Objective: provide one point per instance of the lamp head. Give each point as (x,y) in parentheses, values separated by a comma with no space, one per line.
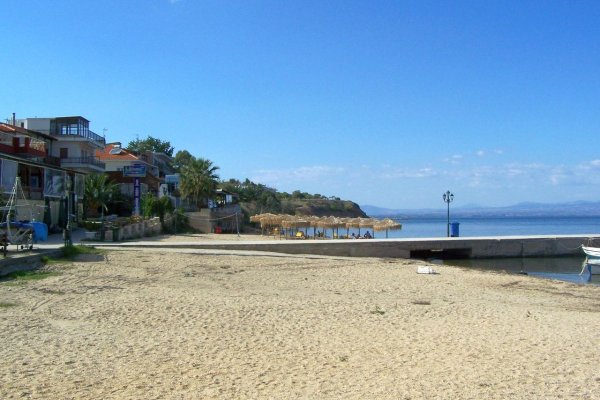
(448,197)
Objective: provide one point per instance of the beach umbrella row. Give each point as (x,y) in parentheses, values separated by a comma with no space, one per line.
(268,220)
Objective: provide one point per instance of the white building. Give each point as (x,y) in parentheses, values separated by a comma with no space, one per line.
(75,143)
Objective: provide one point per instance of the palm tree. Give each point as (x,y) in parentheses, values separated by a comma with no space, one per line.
(198,179)
(98,192)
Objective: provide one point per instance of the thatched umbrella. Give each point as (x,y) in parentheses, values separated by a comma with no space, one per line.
(295,223)
(344,221)
(366,223)
(330,223)
(352,223)
(386,225)
(261,217)
(265,220)
(314,221)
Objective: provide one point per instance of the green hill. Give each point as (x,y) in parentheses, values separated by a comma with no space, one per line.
(317,207)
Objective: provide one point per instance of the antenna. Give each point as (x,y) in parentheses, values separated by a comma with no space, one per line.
(104,132)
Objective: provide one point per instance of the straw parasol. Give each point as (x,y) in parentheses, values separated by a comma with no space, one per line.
(266,220)
(330,223)
(366,223)
(295,222)
(386,225)
(312,221)
(352,223)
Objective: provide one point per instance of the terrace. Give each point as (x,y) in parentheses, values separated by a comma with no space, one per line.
(75,128)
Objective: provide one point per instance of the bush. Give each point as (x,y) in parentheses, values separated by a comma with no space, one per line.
(179,222)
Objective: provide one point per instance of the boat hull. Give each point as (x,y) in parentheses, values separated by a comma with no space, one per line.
(592,259)
(594,267)
(592,252)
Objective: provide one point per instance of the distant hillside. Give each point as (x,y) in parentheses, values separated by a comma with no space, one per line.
(324,208)
(317,207)
(528,209)
(256,198)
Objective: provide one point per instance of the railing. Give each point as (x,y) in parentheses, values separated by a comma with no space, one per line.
(83,160)
(87,134)
(51,160)
(97,138)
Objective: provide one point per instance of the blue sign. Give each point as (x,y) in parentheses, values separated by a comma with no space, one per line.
(136,196)
(135,170)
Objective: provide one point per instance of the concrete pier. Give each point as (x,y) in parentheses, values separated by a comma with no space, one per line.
(474,247)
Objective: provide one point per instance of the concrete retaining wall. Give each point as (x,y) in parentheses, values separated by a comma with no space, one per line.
(525,246)
(25,261)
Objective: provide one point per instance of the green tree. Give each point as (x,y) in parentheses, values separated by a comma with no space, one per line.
(154,206)
(296,194)
(98,192)
(182,158)
(147,204)
(151,144)
(198,179)
(268,202)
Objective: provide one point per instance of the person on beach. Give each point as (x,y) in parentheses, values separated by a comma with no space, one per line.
(368,235)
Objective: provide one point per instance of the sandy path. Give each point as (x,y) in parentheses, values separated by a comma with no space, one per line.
(150,324)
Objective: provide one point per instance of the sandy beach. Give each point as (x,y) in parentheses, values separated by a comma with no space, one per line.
(155,324)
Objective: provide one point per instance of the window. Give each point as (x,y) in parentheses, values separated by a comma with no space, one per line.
(53,182)
(9,173)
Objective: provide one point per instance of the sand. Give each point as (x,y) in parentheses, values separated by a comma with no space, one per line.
(202,237)
(144,324)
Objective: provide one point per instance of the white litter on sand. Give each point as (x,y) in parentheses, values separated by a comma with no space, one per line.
(426,270)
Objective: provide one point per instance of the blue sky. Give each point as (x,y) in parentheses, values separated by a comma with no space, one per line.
(389,103)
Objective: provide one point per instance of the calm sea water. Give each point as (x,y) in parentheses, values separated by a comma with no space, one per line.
(563,268)
(470,227)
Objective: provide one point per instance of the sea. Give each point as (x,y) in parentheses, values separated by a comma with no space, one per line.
(562,268)
(415,227)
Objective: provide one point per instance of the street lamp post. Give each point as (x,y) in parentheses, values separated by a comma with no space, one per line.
(448,197)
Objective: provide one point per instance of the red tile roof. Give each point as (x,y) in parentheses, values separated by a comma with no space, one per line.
(6,128)
(105,154)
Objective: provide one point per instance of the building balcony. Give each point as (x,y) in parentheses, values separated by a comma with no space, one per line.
(51,160)
(48,160)
(85,164)
(81,135)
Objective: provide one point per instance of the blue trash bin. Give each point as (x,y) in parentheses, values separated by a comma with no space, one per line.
(40,231)
(454,229)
